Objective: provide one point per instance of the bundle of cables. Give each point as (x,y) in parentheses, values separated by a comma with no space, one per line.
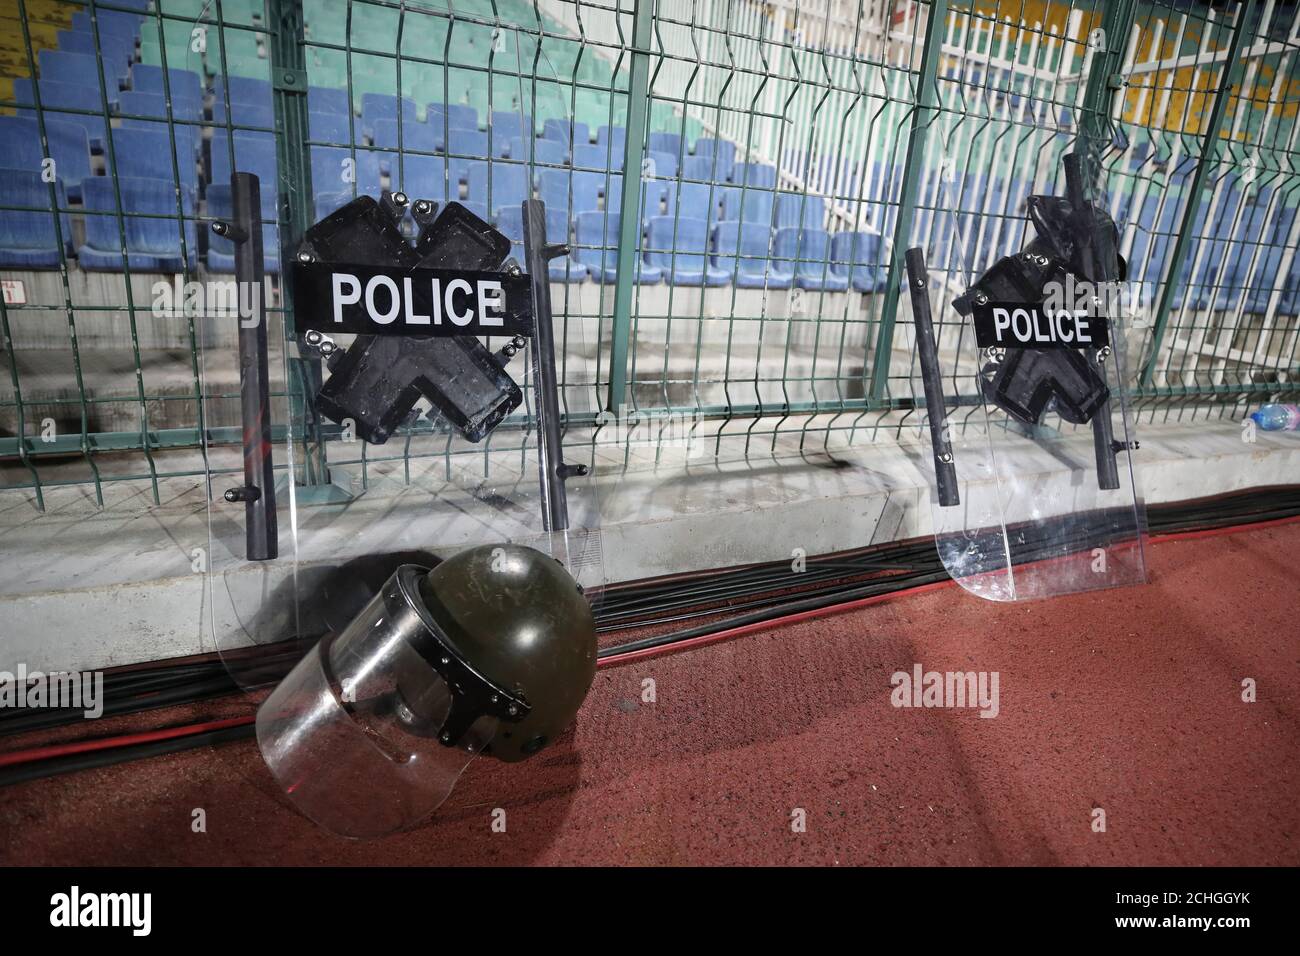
(714,605)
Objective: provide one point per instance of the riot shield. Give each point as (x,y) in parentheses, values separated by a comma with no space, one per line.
(1019,321)
(415,411)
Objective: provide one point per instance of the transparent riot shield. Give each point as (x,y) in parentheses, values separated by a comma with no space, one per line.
(395,440)
(1018,314)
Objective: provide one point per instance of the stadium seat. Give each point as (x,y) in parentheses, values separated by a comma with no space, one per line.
(700,200)
(330,166)
(152,244)
(670,143)
(321,99)
(596,157)
(806,253)
(796,209)
(56,97)
(754,175)
(221,251)
(20,148)
(381,106)
(541,152)
(597,248)
(555,185)
(453,116)
(145,153)
(508,185)
(254,153)
(77,68)
(744,252)
(28,240)
(510,220)
(567,132)
(679,246)
(117,48)
(422,177)
(615,135)
(857,256)
(508,125)
(420,137)
(748,205)
(331,127)
(723,150)
(660,165)
(140,107)
(184,86)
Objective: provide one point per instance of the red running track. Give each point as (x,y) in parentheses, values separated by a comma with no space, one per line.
(1127,700)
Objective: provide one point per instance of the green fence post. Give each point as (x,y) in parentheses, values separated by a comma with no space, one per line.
(629,228)
(1232,67)
(1105,81)
(913,169)
(293,158)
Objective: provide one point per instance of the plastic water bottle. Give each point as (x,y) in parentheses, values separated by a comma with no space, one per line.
(1278,418)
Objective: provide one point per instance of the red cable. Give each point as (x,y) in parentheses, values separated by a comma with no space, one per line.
(124,740)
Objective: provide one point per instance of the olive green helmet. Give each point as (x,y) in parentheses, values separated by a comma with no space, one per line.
(518,621)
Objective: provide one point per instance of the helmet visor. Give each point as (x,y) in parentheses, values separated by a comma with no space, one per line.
(352,734)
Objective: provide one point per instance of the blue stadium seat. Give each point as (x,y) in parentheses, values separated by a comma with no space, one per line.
(381,106)
(28,240)
(112,22)
(329,167)
(857,256)
(67,96)
(679,245)
(700,200)
(254,153)
(510,220)
(76,68)
(324,99)
(554,187)
(568,132)
(724,150)
(541,152)
(261,115)
(750,205)
(596,237)
(146,153)
(654,194)
(20,148)
(597,157)
(661,165)
(185,87)
(331,127)
(796,209)
(806,252)
(468,143)
(754,175)
(617,135)
(509,125)
(251,102)
(744,251)
(665,143)
(453,116)
(221,251)
(149,107)
(420,137)
(243,89)
(117,48)
(705,169)
(509,185)
(423,177)
(153,245)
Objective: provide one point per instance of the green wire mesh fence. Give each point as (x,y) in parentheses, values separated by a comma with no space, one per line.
(736,179)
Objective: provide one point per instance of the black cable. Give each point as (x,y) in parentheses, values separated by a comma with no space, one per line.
(36,769)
